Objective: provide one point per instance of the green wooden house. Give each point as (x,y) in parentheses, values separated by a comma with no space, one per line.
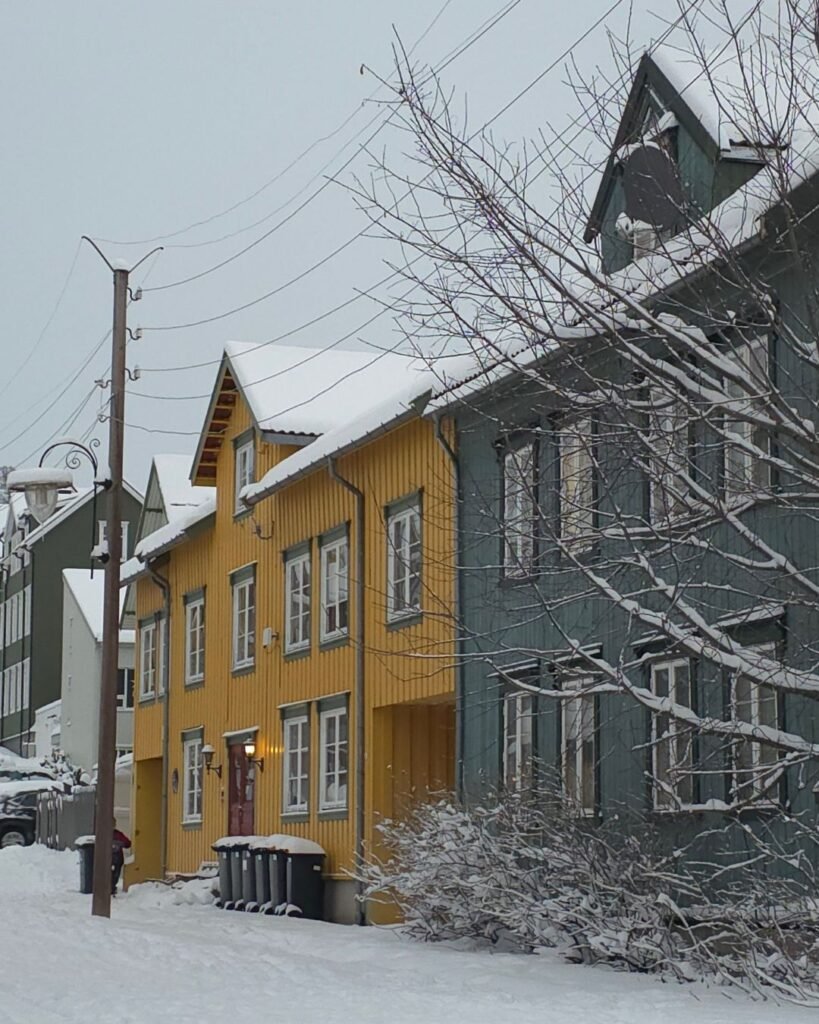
(31,600)
(558,505)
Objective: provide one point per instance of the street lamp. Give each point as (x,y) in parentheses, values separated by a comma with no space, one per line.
(42,485)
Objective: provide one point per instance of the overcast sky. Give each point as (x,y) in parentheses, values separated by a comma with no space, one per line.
(133,122)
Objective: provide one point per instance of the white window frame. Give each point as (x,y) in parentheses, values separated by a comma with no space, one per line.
(244,456)
(668,447)
(518,739)
(244,633)
(102,537)
(335,590)
(519,484)
(404,562)
(26,684)
(670,736)
(336,715)
(745,473)
(148,637)
(577,498)
(123,704)
(27,610)
(760,756)
(161,660)
(578,743)
(296,729)
(302,594)
(192,772)
(195,640)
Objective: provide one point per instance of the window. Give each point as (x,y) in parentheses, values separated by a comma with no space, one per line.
(125,688)
(102,537)
(754,764)
(334,587)
(297,602)
(671,750)
(195,640)
(578,745)
(296,764)
(519,509)
(27,611)
(668,453)
(192,779)
(518,734)
(147,659)
(245,470)
(745,471)
(333,787)
(404,562)
(576,442)
(244,621)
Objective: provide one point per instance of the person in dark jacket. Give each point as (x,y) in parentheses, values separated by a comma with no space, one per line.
(119,845)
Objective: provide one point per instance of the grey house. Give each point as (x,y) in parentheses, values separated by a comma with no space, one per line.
(560,502)
(31,599)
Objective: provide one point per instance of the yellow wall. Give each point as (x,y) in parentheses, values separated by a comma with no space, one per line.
(411,665)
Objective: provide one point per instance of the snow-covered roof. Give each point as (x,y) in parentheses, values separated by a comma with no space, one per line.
(303,391)
(89,593)
(378,411)
(178,494)
(11,762)
(166,537)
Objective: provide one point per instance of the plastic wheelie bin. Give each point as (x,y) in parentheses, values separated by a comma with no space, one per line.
(85,848)
(225,886)
(305,884)
(249,901)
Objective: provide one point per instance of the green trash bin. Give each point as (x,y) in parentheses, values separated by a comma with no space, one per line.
(85,848)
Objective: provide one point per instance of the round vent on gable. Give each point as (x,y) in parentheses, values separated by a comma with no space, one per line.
(652,188)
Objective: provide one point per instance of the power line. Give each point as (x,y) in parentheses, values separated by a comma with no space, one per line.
(293,163)
(507,9)
(388,308)
(12,377)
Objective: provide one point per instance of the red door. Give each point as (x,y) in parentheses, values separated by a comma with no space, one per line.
(240,792)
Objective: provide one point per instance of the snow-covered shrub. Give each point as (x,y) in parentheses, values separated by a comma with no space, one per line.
(526,872)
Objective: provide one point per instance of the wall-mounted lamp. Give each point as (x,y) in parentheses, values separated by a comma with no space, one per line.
(250,754)
(207,757)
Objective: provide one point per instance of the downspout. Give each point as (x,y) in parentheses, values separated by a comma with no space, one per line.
(165,587)
(460,710)
(361,916)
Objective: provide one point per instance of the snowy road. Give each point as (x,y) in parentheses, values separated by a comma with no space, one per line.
(155,962)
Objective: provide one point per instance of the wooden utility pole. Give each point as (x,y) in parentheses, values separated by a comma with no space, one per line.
(106,751)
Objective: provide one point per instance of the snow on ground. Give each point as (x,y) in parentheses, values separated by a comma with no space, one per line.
(160,960)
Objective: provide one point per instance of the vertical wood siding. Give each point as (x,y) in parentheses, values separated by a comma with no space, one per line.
(410,665)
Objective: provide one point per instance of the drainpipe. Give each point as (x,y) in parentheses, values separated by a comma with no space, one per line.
(165,587)
(361,916)
(457,602)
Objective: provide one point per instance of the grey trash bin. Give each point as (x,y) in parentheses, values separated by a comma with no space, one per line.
(236,850)
(305,884)
(85,848)
(277,872)
(261,855)
(225,886)
(249,902)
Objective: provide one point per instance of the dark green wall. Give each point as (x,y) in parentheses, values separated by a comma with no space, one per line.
(66,546)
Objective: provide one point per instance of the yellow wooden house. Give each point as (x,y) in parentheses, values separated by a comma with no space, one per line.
(295,661)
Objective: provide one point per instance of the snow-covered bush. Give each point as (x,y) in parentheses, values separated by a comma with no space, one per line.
(528,873)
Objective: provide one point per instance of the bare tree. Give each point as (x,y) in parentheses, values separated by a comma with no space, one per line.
(656,403)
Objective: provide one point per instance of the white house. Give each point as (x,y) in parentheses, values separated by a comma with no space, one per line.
(82,671)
